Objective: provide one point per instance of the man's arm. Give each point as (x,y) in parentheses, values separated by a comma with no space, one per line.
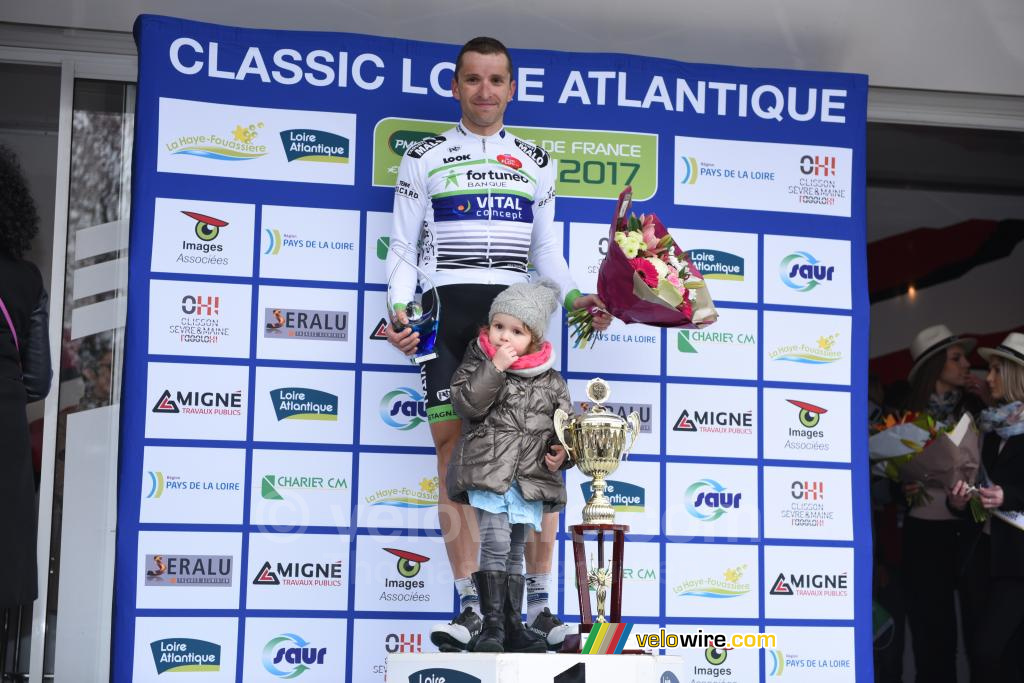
(410,209)
(545,250)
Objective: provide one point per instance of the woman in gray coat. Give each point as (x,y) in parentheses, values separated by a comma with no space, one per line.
(507,462)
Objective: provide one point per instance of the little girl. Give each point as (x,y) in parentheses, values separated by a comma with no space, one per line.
(507,462)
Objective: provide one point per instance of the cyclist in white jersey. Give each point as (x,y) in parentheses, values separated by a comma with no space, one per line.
(476,204)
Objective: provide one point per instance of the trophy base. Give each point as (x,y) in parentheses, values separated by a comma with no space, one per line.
(598,514)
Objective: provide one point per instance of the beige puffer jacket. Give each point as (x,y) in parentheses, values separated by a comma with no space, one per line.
(507,427)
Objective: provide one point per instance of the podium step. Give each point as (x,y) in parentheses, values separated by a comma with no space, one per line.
(532,668)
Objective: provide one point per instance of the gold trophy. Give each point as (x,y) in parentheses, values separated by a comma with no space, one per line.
(596,442)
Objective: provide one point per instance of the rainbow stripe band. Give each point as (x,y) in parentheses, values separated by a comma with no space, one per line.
(607,639)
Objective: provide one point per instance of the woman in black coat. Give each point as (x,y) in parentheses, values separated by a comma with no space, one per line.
(998,559)
(24,376)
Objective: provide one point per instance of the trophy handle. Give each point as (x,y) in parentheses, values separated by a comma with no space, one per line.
(561,418)
(634,424)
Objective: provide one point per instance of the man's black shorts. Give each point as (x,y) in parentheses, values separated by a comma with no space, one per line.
(464,310)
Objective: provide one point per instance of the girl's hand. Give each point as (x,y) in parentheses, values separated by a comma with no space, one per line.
(991,496)
(504,357)
(554,458)
(959,495)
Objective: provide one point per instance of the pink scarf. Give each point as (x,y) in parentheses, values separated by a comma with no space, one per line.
(530,360)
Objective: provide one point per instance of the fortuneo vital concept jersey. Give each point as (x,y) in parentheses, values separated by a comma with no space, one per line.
(474,209)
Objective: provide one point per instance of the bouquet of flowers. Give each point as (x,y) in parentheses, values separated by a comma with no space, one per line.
(915,449)
(646,278)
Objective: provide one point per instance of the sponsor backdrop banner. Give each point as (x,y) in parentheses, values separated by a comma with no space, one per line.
(278,487)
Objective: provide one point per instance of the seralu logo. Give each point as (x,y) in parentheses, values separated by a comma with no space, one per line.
(296,323)
(622,410)
(188,570)
(302,144)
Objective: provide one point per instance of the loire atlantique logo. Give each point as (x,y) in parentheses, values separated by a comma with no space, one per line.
(820,353)
(275,486)
(185,655)
(713,264)
(707,500)
(238,145)
(623,496)
(730,585)
(403,409)
(424,496)
(802,272)
(301,144)
(300,403)
(289,656)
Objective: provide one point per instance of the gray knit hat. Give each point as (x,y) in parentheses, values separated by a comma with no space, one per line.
(531,302)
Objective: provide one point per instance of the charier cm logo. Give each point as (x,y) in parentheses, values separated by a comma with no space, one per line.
(289,655)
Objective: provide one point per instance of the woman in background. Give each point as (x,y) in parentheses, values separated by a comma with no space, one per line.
(24,377)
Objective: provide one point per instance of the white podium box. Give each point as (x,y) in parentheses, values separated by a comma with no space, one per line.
(532,668)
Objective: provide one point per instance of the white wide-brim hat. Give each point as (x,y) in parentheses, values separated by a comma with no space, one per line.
(931,341)
(1012,349)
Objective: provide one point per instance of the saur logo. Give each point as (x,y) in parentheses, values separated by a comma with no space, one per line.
(403,409)
(185,655)
(207,229)
(302,144)
(801,272)
(708,494)
(718,265)
(501,206)
(239,146)
(409,563)
(299,403)
(289,655)
(623,496)
(691,170)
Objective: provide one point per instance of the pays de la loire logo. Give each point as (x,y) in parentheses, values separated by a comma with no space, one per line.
(690,171)
(802,272)
(403,409)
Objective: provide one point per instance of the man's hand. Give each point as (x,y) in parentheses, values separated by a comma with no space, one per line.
(406,340)
(504,357)
(602,319)
(991,496)
(554,457)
